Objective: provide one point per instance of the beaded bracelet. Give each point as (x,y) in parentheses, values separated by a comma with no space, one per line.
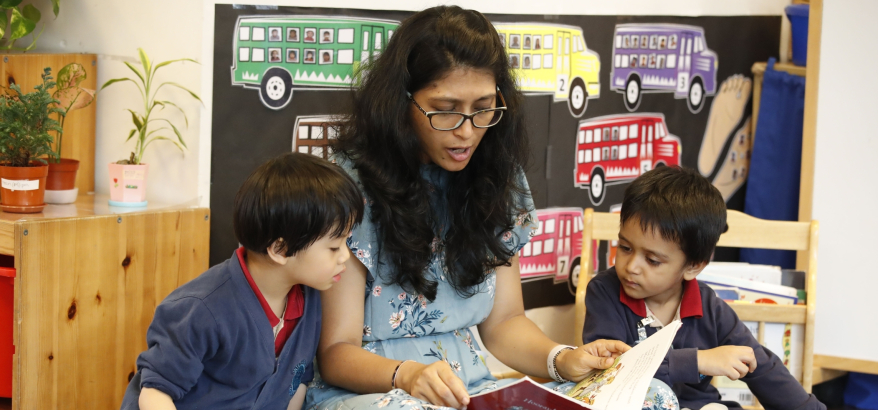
(552,362)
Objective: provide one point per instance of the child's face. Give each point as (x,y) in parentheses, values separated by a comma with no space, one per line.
(321,264)
(650,266)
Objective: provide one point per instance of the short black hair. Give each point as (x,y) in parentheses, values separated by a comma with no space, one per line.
(297,198)
(681,205)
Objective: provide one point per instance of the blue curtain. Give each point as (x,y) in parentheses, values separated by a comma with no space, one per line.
(776,160)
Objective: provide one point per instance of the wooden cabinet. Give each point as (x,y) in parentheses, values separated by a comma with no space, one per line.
(88,281)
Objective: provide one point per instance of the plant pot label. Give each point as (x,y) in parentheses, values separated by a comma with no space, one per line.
(133,174)
(21,185)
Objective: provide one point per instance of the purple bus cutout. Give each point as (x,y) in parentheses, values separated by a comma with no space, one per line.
(663,58)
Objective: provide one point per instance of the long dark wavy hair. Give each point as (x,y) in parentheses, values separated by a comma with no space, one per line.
(378,136)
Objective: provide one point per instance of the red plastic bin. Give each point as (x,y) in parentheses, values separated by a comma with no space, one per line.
(7,276)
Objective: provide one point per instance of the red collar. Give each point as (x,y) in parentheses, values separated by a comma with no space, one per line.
(690,305)
(295,299)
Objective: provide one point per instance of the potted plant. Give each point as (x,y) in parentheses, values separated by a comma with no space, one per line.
(128,176)
(61,182)
(22,21)
(25,125)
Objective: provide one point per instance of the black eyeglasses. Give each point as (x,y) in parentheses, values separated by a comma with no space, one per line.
(450,120)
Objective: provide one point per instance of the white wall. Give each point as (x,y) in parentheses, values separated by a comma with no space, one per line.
(845,196)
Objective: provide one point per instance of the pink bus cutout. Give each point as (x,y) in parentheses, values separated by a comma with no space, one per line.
(555,249)
(618,148)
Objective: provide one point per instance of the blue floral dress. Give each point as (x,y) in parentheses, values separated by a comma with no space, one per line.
(404,326)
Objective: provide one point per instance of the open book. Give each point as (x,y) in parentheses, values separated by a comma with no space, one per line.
(622,386)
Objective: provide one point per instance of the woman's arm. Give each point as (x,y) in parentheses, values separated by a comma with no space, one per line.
(517,342)
(344,363)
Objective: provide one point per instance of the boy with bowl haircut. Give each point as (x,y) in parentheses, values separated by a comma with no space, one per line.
(244,333)
(671,221)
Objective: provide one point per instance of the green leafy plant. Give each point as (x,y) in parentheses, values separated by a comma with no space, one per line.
(26,122)
(18,21)
(71,96)
(144,120)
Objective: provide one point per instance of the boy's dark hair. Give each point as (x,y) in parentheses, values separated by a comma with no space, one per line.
(297,198)
(681,205)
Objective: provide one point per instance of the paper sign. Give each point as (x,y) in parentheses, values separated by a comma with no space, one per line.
(21,185)
(132,174)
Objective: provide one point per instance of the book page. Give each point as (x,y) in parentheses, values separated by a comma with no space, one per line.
(623,385)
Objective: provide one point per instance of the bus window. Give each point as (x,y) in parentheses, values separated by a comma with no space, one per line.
(345,56)
(588,136)
(331,132)
(567,46)
(258,54)
(663,42)
(658,130)
(568,227)
(635,41)
(653,42)
(346,36)
(378,41)
(317,133)
(581,135)
(547,60)
(618,41)
(303,132)
(632,150)
(581,156)
(644,40)
(615,133)
(317,151)
(632,129)
(536,60)
(596,154)
(672,61)
(587,156)
(244,54)
(623,152)
(303,149)
(549,246)
(550,225)
(389,34)
(649,138)
(605,154)
(538,248)
(618,61)
(539,230)
(549,41)
(527,249)
(660,63)
(258,33)
(623,133)
(365,41)
(244,34)
(606,134)
(672,42)
(614,153)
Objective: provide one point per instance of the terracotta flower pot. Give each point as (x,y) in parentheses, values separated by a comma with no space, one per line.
(128,183)
(22,189)
(61,183)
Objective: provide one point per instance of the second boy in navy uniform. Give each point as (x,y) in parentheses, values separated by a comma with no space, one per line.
(671,221)
(243,335)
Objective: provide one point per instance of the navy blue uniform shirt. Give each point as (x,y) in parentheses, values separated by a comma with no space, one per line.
(210,346)
(708,322)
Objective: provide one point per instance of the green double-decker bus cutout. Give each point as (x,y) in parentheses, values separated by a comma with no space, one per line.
(279,54)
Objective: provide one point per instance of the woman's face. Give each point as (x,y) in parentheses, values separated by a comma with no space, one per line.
(464,90)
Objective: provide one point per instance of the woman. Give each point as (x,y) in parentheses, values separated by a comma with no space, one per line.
(448,209)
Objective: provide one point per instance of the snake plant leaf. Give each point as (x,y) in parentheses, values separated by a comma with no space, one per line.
(20,25)
(145,61)
(8,4)
(31,13)
(164,63)
(136,119)
(56,6)
(136,71)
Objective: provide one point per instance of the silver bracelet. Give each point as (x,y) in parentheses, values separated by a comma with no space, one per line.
(552,362)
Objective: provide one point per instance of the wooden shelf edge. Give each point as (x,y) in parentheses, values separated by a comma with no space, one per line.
(759,68)
(824,375)
(845,364)
(777,313)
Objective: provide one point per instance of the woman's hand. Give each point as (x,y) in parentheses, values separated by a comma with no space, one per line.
(435,383)
(574,365)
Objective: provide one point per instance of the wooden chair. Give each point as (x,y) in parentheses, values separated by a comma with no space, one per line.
(744,232)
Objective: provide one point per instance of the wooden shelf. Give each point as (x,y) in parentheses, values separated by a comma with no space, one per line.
(755,312)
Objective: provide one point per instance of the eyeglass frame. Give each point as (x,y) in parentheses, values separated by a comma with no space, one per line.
(469,117)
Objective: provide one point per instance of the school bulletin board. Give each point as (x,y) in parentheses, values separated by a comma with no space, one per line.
(607,98)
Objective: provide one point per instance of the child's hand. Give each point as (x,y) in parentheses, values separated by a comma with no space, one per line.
(435,383)
(574,365)
(733,362)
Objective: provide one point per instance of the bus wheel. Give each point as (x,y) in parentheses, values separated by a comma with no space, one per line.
(696,95)
(578,98)
(596,189)
(632,93)
(573,279)
(276,89)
